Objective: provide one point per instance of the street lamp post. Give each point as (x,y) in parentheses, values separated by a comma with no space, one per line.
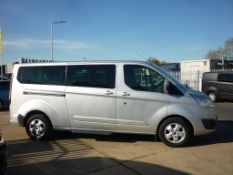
(55,22)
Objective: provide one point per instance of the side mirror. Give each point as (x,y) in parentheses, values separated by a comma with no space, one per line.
(166,86)
(186,84)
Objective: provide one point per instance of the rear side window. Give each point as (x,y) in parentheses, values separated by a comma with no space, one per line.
(4,85)
(225,77)
(100,76)
(45,75)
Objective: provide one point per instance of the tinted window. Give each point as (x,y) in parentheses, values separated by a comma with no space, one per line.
(143,79)
(4,85)
(3,78)
(172,90)
(49,75)
(102,76)
(210,76)
(225,77)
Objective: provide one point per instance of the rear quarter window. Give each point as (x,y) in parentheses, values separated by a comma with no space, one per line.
(44,75)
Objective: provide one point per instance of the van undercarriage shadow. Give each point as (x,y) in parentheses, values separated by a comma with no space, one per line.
(223,134)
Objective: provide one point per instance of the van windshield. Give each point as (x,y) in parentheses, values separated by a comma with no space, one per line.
(176,82)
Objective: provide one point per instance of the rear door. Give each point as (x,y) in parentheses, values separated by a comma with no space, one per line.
(91,96)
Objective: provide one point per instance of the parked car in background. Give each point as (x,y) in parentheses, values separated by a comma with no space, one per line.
(3,161)
(106,97)
(218,85)
(4,93)
(4,78)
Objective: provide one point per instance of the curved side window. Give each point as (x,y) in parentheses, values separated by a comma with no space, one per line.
(143,79)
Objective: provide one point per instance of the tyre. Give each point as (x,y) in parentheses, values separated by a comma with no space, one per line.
(38,127)
(212,96)
(175,132)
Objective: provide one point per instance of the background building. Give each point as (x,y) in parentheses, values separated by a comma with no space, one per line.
(191,71)
(8,68)
(171,67)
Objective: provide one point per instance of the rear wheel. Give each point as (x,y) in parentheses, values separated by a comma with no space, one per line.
(175,132)
(38,127)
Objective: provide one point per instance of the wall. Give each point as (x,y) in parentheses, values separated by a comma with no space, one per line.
(191,72)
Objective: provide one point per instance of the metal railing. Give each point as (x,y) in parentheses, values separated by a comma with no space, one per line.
(193,79)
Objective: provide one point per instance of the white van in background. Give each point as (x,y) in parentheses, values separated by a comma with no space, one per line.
(107,96)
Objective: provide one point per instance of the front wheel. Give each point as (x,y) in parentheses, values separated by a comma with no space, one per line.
(212,96)
(175,132)
(38,127)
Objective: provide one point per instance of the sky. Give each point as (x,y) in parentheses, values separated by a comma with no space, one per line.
(170,30)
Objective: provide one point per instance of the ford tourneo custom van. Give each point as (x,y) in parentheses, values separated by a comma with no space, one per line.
(106,97)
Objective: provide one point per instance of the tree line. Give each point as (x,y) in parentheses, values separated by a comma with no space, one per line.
(225,52)
(156,61)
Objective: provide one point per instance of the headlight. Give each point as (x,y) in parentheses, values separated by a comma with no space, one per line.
(203,102)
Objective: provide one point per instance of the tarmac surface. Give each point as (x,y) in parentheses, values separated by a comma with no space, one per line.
(118,154)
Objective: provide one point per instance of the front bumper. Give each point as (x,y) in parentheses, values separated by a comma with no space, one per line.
(206,122)
(209,123)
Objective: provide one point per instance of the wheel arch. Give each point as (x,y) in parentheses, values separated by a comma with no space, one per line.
(173,116)
(36,106)
(211,89)
(29,114)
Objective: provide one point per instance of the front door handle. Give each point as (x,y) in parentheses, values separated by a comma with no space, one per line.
(108,93)
(125,94)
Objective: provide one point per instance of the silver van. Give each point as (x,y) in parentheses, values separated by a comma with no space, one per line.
(106,97)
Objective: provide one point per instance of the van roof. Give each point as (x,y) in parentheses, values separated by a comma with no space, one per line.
(220,72)
(84,62)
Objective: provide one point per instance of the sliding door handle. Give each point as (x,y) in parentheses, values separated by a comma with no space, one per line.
(125,94)
(108,93)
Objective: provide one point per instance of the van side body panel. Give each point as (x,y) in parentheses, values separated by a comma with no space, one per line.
(48,99)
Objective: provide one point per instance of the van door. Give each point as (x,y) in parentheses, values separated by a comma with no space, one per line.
(91,96)
(140,99)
